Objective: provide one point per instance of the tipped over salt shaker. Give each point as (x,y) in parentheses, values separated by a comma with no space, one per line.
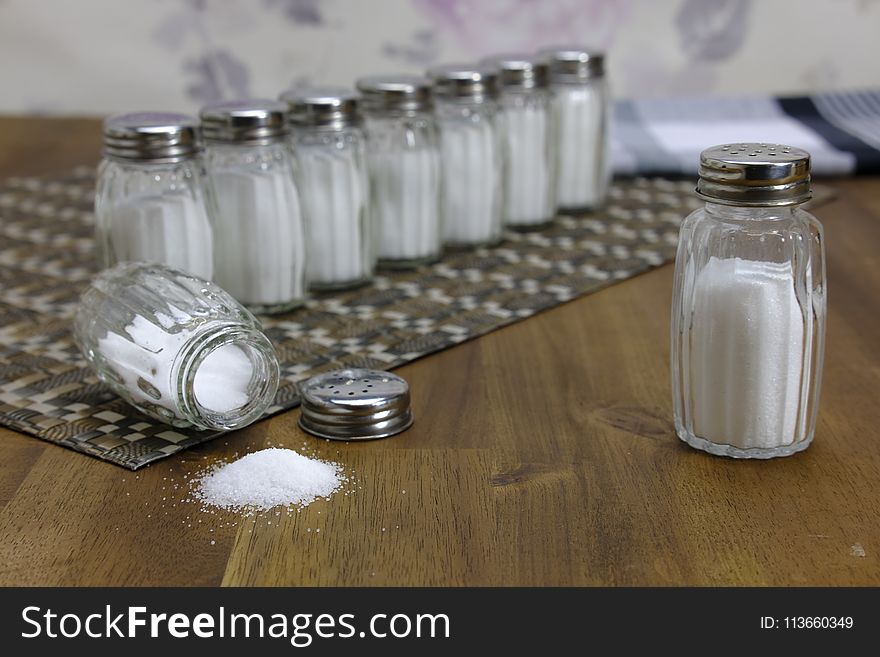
(177,347)
(748,313)
(151,202)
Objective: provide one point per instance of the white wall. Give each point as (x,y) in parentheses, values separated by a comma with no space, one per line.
(101,56)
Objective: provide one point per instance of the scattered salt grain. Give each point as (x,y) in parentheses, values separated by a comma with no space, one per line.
(268,478)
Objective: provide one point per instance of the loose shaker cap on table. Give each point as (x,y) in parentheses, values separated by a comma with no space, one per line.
(323,107)
(518,71)
(755,174)
(355,404)
(574,63)
(255,121)
(407,93)
(161,137)
(470,82)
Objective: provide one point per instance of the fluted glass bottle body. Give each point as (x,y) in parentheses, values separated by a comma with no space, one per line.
(154,212)
(528,162)
(334,186)
(580,143)
(404,170)
(748,330)
(260,235)
(470,156)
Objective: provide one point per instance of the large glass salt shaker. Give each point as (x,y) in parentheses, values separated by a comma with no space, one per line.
(261,243)
(177,347)
(470,154)
(579,122)
(528,198)
(329,149)
(404,167)
(150,202)
(748,314)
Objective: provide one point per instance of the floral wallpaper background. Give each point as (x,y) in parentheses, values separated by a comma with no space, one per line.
(102,56)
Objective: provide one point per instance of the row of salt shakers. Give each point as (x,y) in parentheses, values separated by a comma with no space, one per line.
(151,203)
(260,254)
(404,169)
(329,149)
(466,111)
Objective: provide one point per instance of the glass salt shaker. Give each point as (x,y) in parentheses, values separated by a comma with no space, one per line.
(579,104)
(176,347)
(528,200)
(748,313)
(329,149)
(404,168)
(150,202)
(470,154)
(260,235)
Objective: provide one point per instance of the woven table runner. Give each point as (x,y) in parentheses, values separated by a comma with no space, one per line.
(47,258)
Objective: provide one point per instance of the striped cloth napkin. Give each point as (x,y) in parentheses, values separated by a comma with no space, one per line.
(664,136)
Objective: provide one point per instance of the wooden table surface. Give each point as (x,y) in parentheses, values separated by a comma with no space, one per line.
(542,454)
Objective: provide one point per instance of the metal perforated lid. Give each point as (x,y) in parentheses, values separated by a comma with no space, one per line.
(355,404)
(151,136)
(395,93)
(464,81)
(256,121)
(754,174)
(518,71)
(573,63)
(322,107)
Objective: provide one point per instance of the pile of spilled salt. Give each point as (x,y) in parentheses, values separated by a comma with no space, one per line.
(269,478)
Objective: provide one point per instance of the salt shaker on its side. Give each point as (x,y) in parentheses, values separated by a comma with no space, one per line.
(528,199)
(579,122)
(748,314)
(176,347)
(404,168)
(470,155)
(261,244)
(329,149)
(150,202)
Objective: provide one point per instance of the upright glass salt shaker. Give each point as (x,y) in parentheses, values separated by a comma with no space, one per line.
(579,121)
(528,198)
(470,154)
(261,243)
(177,347)
(150,202)
(404,167)
(329,149)
(748,314)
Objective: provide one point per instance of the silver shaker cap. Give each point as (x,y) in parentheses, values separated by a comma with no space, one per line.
(322,107)
(160,137)
(256,121)
(754,174)
(355,404)
(395,93)
(464,81)
(518,71)
(573,63)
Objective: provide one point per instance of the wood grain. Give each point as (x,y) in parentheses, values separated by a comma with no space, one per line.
(542,454)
